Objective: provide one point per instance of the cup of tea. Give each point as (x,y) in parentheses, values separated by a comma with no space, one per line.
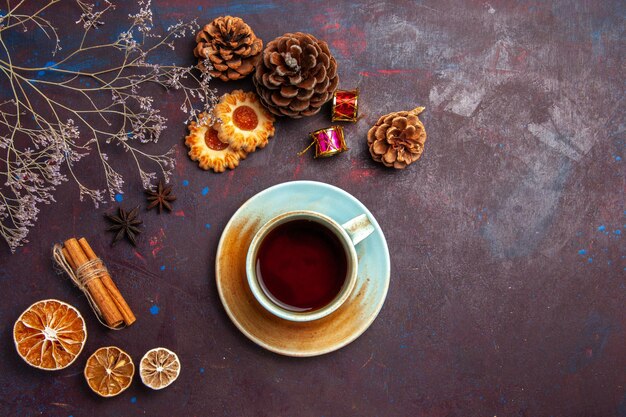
(302,265)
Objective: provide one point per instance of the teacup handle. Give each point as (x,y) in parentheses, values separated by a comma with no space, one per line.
(358,228)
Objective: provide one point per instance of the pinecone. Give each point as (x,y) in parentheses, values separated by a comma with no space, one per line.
(231,47)
(397,139)
(296,76)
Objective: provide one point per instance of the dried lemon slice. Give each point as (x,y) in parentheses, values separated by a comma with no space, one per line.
(109,371)
(158,368)
(50,335)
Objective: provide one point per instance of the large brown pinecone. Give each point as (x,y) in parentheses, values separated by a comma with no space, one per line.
(231,47)
(397,139)
(296,76)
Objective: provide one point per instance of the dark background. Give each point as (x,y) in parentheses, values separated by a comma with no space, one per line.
(506,239)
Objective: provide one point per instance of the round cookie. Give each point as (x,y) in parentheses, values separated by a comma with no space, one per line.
(242,122)
(206,148)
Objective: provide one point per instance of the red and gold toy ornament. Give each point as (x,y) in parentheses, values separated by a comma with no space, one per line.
(345,105)
(328,142)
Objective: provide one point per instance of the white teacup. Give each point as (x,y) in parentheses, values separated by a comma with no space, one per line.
(349,234)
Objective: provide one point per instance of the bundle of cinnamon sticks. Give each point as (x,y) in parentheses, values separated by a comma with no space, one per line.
(103,291)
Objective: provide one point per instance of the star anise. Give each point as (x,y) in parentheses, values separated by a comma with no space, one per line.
(161,197)
(125,224)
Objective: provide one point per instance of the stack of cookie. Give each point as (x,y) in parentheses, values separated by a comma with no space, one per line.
(239,125)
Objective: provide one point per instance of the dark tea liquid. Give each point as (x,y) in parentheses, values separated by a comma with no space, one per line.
(301,265)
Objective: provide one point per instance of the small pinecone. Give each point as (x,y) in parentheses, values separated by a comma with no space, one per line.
(296,76)
(397,139)
(231,47)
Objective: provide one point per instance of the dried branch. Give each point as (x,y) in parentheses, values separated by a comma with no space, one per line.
(49,123)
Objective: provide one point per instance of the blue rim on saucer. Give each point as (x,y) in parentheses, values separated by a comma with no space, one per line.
(307,338)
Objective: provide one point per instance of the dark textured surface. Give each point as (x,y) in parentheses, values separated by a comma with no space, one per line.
(507,238)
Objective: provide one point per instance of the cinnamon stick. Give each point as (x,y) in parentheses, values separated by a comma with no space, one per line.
(97,290)
(114,292)
(69,259)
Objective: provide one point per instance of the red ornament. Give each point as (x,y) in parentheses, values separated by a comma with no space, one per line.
(345,105)
(328,142)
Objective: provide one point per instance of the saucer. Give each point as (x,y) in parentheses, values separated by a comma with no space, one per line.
(305,338)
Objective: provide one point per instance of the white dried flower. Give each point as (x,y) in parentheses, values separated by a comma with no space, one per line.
(40,154)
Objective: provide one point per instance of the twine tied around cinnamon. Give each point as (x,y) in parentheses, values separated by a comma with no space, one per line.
(90,275)
(83,275)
